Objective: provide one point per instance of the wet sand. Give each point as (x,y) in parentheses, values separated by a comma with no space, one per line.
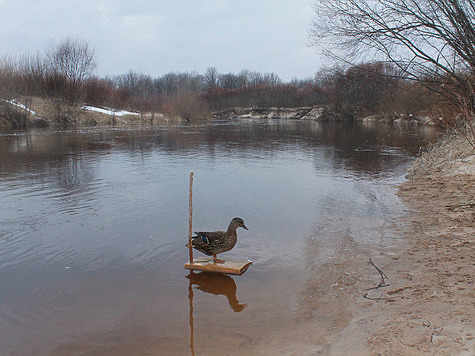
(428,307)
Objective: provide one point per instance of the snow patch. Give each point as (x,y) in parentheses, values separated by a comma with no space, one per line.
(19,105)
(109,111)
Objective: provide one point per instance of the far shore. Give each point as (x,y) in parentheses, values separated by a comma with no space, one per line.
(324,113)
(36,114)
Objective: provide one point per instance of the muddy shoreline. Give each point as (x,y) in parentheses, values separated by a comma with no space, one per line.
(428,306)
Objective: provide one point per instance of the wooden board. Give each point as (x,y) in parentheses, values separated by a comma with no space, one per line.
(228,267)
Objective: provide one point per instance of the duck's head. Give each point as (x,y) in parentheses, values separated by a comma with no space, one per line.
(238,222)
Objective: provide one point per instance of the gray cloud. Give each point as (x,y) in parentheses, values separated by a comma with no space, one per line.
(156,37)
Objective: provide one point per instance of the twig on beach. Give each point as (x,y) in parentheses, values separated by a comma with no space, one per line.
(379,298)
(382,283)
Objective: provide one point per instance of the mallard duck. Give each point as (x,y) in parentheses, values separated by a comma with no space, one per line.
(212,243)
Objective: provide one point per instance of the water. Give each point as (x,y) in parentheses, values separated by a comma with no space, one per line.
(93,226)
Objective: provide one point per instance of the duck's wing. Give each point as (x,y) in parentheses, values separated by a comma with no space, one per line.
(207,242)
(202,235)
(208,237)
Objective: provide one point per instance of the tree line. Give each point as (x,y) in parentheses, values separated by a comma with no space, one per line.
(64,76)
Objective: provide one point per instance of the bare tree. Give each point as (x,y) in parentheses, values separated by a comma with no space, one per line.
(211,78)
(8,82)
(60,73)
(228,81)
(72,59)
(430,41)
(69,65)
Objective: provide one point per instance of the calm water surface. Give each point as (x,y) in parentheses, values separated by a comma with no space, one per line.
(93,226)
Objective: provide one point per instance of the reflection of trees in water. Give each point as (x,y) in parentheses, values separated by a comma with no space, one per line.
(367,150)
(355,146)
(73,177)
(41,156)
(73,173)
(359,148)
(58,162)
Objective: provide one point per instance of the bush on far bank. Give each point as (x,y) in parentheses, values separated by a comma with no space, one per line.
(187,105)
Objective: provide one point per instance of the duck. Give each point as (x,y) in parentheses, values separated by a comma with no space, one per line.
(214,242)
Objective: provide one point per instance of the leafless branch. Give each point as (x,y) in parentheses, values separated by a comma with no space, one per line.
(430,41)
(382,283)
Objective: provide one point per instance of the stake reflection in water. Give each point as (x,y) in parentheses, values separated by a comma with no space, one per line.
(214,283)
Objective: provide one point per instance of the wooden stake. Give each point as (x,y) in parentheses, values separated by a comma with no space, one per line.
(190,247)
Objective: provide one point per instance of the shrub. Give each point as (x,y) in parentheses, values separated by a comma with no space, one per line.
(187,105)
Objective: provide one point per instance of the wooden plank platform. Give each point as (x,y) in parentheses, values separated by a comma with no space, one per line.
(228,267)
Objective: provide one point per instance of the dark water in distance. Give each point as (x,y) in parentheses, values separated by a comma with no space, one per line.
(93,224)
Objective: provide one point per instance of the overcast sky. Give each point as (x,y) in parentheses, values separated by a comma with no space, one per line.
(157,37)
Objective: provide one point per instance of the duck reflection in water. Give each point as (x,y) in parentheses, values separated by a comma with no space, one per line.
(217,284)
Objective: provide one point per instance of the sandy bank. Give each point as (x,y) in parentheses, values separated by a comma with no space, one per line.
(428,308)
(320,113)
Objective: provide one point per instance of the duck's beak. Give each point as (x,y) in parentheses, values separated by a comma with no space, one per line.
(244,227)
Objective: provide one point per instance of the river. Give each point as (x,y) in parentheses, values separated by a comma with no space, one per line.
(94,222)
